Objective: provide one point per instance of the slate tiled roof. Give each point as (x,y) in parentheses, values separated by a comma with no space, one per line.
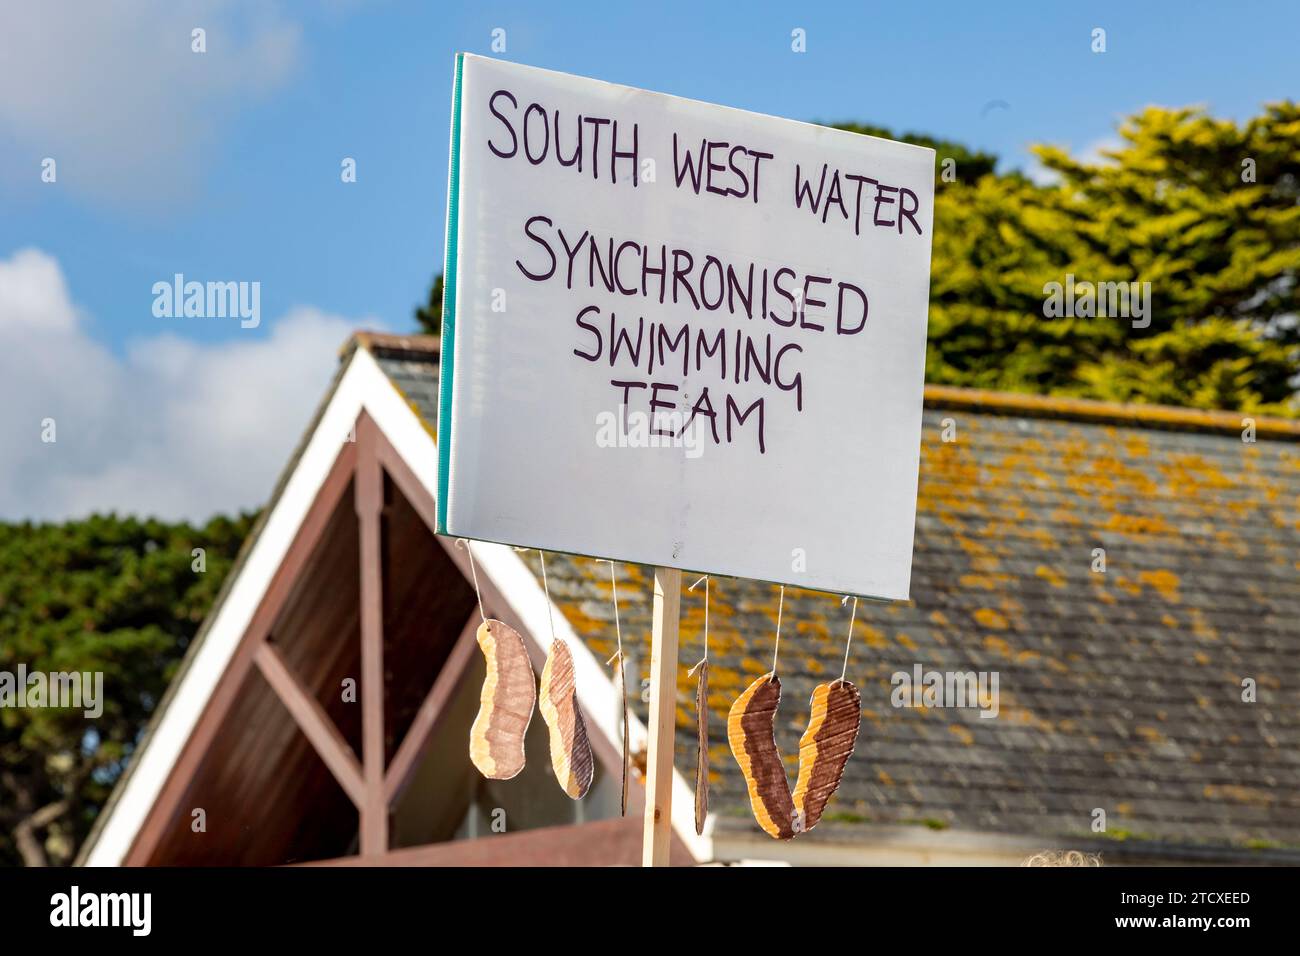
(1120,690)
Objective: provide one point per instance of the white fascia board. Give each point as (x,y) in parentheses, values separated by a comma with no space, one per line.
(363,385)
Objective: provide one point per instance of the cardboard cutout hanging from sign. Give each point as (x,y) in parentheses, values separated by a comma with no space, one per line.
(825,749)
(751,732)
(570,749)
(506,701)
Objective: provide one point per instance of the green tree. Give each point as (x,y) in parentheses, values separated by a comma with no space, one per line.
(113,595)
(429,315)
(1203,209)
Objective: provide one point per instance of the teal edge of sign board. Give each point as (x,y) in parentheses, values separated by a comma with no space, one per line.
(447,350)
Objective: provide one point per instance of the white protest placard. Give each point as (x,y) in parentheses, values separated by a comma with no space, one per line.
(681,334)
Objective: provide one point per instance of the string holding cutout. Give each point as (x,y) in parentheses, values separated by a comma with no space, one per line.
(780,605)
(464,543)
(546,589)
(618,627)
(705,658)
(849,643)
(571,757)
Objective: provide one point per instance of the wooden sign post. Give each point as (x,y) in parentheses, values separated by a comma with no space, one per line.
(658,831)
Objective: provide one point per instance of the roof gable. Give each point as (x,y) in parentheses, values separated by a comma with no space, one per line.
(361,388)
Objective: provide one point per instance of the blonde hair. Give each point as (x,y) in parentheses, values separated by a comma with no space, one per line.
(1063,858)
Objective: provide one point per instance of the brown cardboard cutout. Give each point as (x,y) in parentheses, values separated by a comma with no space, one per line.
(496,739)
(750,730)
(825,748)
(570,749)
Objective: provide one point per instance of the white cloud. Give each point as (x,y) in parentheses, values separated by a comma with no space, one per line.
(1092,154)
(174,428)
(1039,174)
(33,294)
(114,93)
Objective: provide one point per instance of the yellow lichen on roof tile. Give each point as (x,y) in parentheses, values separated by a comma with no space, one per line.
(724,693)
(1164,582)
(997,645)
(987,617)
(1201,627)
(1138,524)
(962,734)
(1087,484)
(1027,464)
(1041,536)
(1136,446)
(973,547)
(1136,480)
(1129,585)
(1020,715)
(1050,575)
(872,636)
(985,582)
(1064,516)
(1187,476)
(1235,793)
(1090,410)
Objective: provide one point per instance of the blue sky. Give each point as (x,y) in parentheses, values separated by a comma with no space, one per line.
(226,165)
(371,80)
